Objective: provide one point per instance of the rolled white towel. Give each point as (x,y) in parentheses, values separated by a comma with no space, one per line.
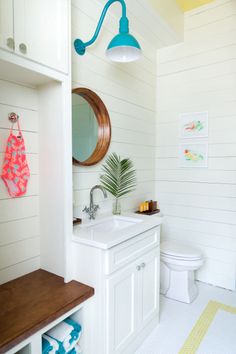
(53,343)
(61,332)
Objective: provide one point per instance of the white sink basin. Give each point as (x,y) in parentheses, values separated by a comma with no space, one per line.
(111,224)
(110,231)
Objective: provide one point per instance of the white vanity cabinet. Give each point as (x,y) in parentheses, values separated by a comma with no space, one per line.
(36,30)
(132,300)
(126,282)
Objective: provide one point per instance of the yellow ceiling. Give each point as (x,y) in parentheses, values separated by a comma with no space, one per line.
(187,5)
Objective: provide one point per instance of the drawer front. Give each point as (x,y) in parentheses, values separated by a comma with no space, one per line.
(128,251)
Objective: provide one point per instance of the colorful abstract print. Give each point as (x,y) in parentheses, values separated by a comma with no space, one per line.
(193,156)
(194,126)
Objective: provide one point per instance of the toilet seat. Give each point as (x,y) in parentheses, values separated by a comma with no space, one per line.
(182,264)
(184,259)
(178,251)
(178,258)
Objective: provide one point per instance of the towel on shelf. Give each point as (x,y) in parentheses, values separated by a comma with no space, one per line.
(76,350)
(73,347)
(46,347)
(49,345)
(74,324)
(61,331)
(75,333)
(66,333)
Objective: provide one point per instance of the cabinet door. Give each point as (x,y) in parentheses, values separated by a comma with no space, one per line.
(149,286)
(41,31)
(6,25)
(121,309)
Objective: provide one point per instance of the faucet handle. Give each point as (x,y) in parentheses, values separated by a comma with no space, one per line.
(91,211)
(96,207)
(86,209)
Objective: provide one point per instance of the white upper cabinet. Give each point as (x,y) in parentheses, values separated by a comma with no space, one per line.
(40,30)
(6,25)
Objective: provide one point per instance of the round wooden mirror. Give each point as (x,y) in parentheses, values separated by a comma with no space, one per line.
(91,127)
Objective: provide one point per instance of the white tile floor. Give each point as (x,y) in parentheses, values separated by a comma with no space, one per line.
(177,320)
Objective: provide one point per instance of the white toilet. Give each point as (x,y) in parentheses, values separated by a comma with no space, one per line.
(178,263)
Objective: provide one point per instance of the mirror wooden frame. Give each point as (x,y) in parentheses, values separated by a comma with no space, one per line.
(104,126)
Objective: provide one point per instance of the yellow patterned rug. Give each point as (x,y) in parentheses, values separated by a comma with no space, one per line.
(214,332)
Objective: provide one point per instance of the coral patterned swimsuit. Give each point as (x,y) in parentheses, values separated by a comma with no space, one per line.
(15,170)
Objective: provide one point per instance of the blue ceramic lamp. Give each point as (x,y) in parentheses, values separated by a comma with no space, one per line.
(123,47)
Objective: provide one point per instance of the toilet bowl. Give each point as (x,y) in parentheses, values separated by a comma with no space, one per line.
(178,264)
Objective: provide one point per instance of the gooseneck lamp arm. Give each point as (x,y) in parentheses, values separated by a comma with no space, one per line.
(80,46)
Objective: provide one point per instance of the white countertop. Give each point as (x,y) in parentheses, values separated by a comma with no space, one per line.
(106,239)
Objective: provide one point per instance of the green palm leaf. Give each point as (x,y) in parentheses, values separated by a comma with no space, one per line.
(119,176)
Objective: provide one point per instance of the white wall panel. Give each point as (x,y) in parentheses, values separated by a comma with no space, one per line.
(226,24)
(19,269)
(220,10)
(199,75)
(213,228)
(18,96)
(19,252)
(215,163)
(19,217)
(224,191)
(29,121)
(19,230)
(199,200)
(128,91)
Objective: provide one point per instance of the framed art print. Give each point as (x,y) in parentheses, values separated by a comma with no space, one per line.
(194,125)
(193,155)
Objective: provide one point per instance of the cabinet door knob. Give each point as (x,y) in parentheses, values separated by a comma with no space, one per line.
(143,265)
(11,43)
(23,48)
(138,267)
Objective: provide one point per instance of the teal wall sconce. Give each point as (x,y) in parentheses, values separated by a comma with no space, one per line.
(123,47)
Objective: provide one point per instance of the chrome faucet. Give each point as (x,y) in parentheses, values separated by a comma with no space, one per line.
(92,209)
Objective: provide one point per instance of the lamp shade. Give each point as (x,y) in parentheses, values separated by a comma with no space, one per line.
(123,48)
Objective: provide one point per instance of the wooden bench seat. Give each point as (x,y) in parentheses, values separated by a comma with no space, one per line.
(29,303)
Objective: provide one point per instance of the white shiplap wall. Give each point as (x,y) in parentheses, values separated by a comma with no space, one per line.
(19,217)
(199,75)
(128,91)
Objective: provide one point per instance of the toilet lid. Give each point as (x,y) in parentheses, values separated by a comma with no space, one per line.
(179,250)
